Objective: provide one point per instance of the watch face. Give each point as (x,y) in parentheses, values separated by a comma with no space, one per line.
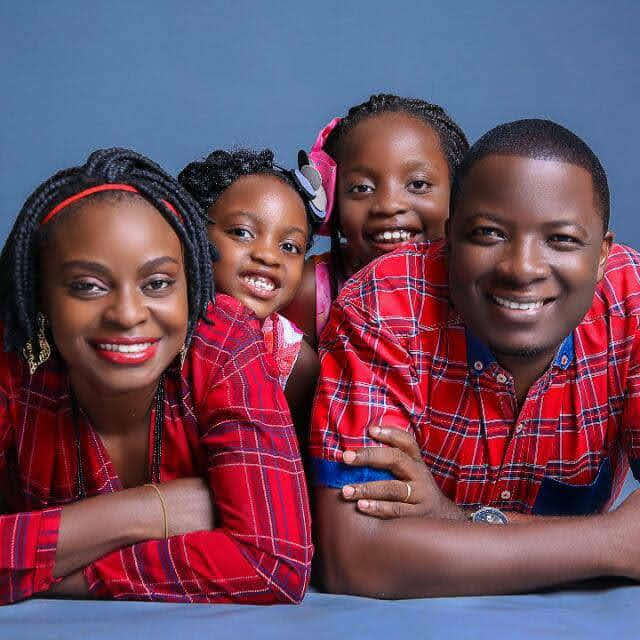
(489,515)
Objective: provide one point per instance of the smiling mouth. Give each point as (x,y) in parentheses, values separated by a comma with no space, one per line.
(260,286)
(393,236)
(126,352)
(517,305)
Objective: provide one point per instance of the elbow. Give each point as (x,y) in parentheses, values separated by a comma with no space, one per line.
(288,584)
(345,572)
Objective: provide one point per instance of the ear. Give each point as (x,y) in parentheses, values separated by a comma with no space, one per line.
(605,247)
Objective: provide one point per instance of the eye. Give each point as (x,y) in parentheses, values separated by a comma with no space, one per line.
(158,284)
(87,288)
(419,186)
(486,234)
(240,233)
(291,247)
(361,188)
(565,241)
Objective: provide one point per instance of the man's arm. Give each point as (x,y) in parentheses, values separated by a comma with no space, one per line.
(418,557)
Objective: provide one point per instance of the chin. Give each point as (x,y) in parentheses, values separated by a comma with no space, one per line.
(519,351)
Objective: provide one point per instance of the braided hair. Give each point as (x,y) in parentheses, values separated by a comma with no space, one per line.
(206,180)
(452,140)
(19,260)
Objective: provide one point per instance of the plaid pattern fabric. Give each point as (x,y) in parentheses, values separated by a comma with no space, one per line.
(226,419)
(396,352)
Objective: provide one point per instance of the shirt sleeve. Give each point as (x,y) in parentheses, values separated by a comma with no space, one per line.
(27,540)
(260,550)
(631,409)
(366,378)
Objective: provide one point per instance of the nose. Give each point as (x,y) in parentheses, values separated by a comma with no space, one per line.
(523,262)
(389,200)
(127,308)
(266,251)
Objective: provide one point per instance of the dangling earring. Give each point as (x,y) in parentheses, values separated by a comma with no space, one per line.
(44,350)
(183,354)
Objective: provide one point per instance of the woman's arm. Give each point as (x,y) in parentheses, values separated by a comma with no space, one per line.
(260,550)
(40,547)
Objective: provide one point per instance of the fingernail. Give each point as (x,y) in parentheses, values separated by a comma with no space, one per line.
(348,457)
(348,491)
(374,431)
(363,504)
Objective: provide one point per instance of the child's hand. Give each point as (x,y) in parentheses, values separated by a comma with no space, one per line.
(413,493)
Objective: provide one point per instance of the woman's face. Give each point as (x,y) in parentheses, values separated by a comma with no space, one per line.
(259,226)
(115,294)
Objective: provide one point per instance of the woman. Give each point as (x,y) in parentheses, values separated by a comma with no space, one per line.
(146,451)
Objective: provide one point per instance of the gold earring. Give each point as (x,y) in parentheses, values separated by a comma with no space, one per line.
(183,354)
(44,350)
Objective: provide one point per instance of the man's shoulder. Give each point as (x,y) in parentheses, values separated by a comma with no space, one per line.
(618,293)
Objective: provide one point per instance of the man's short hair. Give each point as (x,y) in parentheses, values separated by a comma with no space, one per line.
(540,140)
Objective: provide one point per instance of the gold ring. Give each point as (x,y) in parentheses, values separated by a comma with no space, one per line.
(408,492)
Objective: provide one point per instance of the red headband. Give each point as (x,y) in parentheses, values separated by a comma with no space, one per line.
(101,187)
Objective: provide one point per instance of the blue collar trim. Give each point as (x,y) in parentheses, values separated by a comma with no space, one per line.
(479,356)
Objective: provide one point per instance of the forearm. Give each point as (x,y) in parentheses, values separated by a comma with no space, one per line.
(418,557)
(204,566)
(91,528)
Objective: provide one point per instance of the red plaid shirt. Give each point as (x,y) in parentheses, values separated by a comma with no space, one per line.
(396,351)
(226,419)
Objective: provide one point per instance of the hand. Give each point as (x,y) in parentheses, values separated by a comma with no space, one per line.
(414,493)
(189,505)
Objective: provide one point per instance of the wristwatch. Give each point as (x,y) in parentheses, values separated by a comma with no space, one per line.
(489,515)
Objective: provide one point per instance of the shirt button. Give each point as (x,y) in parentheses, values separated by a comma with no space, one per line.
(519,427)
(478,366)
(505,495)
(501,378)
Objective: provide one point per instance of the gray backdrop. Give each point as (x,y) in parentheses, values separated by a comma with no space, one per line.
(175,79)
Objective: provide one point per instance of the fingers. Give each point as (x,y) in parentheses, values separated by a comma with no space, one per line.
(390,458)
(395,437)
(385,510)
(387,490)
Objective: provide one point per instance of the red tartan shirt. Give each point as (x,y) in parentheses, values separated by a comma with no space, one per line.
(226,420)
(395,351)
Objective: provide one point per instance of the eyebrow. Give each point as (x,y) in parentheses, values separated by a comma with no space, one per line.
(551,224)
(98,267)
(289,230)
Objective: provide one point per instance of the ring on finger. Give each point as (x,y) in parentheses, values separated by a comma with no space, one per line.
(408,492)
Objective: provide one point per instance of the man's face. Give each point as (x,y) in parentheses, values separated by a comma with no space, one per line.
(526,248)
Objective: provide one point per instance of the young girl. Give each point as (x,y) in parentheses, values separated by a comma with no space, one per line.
(126,391)
(386,168)
(261,218)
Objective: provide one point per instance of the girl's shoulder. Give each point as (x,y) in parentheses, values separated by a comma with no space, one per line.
(302,309)
(282,340)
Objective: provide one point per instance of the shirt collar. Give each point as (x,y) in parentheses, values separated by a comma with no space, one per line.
(479,356)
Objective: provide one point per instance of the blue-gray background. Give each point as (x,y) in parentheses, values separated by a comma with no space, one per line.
(176,79)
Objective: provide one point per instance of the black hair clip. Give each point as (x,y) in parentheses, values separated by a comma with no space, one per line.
(309,182)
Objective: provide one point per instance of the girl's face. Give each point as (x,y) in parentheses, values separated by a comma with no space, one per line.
(115,293)
(393,185)
(260,229)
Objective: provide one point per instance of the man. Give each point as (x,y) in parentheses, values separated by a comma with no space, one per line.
(501,370)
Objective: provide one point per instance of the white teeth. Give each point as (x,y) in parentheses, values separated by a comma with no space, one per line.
(399,235)
(520,306)
(125,348)
(261,283)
